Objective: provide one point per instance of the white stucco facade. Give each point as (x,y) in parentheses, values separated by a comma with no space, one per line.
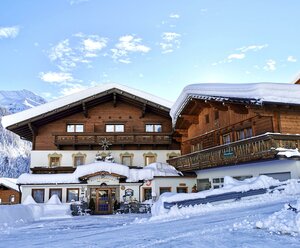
(281,169)
(41,158)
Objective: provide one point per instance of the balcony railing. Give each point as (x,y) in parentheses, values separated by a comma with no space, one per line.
(247,150)
(113,138)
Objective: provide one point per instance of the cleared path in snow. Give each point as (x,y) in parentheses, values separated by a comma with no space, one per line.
(220,228)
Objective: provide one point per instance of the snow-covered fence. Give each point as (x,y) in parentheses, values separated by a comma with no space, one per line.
(216,198)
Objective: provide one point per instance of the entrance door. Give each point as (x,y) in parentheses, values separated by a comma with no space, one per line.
(103,201)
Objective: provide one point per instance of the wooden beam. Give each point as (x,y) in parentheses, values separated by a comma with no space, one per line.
(144,110)
(218,106)
(115,99)
(237,108)
(34,132)
(84,109)
(192,119)
(182,132)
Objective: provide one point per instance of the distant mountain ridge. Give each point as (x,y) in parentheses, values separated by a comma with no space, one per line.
(18,100)
(15,152)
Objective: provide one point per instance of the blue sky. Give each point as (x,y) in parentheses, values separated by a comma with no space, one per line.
(57,47)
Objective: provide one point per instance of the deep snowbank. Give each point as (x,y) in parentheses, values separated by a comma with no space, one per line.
(230,185)
(286,221)
(11,215)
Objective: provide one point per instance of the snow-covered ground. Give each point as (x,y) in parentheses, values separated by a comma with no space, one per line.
(252,222)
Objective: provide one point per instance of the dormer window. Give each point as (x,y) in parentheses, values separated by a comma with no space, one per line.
(114,128)
(75,128)
(153,128)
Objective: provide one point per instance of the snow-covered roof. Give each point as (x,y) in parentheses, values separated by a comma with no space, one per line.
(256,93)
(79,96)
(132,175)
(9,183)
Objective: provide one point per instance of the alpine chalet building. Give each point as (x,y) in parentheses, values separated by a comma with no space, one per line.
(238,130)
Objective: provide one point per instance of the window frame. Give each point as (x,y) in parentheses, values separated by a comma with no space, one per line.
(55,164)
(67,196)
(206,119)
(57,189)
(144,195)
(156,128)
(34,190)
(169,190)
(75,127)
(114,125)
(182,187)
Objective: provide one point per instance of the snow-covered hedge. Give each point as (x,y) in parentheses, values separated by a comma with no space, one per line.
(30,211)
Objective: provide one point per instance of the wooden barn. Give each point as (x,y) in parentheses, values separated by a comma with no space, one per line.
(224,128)
(9,191)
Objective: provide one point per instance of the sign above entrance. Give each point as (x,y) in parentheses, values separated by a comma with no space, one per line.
(103,180)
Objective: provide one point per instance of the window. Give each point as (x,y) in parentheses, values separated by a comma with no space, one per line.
(153,128)
(248,132)
(226,138)
(147,194)
(12,199)
(38,195)
(149,159)
(127,160)
(57,192)
(72,194)
(182,189)
(218,182)
(207,119)
(216,115)
(54,161)
(203,184)
(164,189)
(114,128)
(78,160)
(240,134)
(242,178)
(75,128)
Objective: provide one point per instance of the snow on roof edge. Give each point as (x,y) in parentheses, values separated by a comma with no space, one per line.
(9,182)
(255,92)
(9,120)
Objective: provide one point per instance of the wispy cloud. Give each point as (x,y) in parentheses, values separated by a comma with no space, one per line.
(170,41)
(9,32)
(253,48)
(56,77)
(270,65)
(84,48)
(173,15)
(291,59)
(242,53)
(236,56)
(128,44)
(74,2)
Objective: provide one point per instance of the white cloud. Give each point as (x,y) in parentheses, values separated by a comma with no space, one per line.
(9,32)
(128,44)
(170,40)
(291,59)
(56,77)
(72,88)
(270,65)
(173,15)
(83,49)
(236,56)
(253,48)
(73,2)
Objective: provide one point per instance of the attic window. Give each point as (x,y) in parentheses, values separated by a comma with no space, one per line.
(153,128)
(111,128)
(75,128)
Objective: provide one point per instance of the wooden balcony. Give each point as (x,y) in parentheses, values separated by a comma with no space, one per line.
(247,150)
(61,139)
